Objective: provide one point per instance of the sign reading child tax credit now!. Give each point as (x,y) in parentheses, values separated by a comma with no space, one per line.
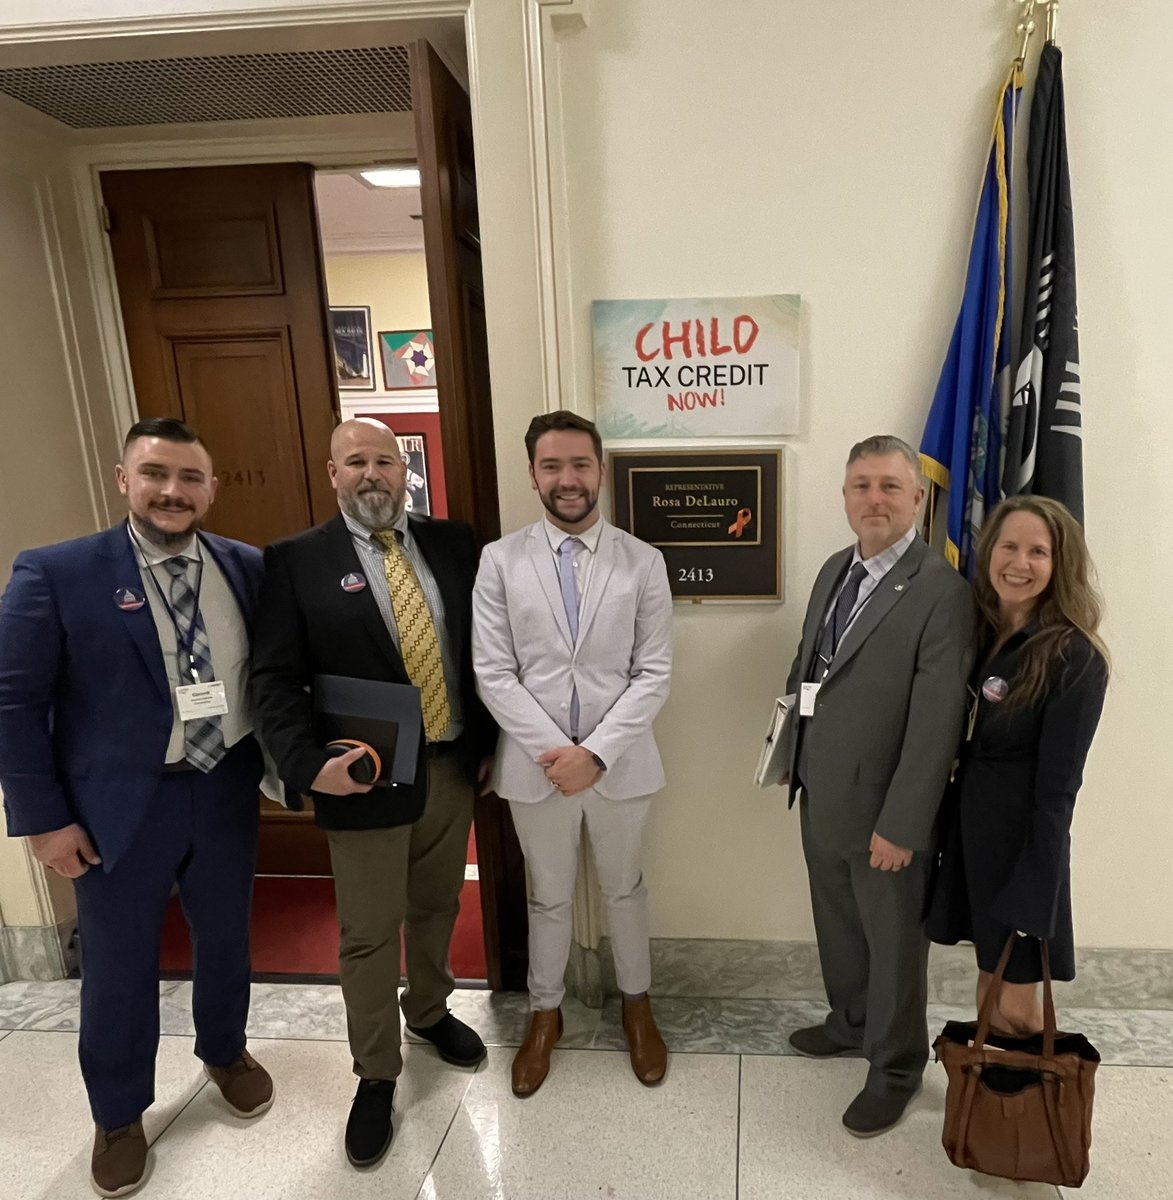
(696,368)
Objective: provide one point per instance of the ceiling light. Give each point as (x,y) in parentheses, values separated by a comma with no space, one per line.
(392,177)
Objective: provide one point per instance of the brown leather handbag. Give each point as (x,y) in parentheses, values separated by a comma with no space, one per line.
(1019,1108)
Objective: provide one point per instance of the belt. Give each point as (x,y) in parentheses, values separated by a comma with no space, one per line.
(181,765)
(440,749)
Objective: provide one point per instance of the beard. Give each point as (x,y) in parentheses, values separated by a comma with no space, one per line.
(374,508)
(165,539)
(584,500)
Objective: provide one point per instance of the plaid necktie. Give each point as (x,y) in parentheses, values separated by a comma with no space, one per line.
(568,580)
(203,738)
(419,643)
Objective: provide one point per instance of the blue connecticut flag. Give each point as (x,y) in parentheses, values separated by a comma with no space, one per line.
(961,449)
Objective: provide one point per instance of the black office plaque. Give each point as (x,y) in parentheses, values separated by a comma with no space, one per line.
(715,514)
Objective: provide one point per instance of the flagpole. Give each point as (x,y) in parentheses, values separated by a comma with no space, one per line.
(1027,26)
(1053,21)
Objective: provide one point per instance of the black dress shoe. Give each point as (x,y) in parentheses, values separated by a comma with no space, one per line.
(816,1043)
(368,1128)
(456,1042)
(871,1113)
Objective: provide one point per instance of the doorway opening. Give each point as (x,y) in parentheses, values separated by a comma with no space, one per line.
(220,293)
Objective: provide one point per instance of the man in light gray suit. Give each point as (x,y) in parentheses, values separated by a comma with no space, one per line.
(572,647)
(880,677)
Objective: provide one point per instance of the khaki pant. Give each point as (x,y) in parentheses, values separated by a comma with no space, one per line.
(409,877)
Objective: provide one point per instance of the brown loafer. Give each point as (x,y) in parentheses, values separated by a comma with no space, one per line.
(649,1054)
(119,1164)
(531,1064)
(246,1086)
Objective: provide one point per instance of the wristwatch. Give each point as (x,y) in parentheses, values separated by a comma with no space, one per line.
(598,761)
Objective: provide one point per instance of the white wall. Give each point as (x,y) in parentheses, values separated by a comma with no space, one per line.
(48,465)
(788,147)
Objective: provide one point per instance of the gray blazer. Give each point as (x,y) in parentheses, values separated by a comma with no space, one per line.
(527,666)
(888,717)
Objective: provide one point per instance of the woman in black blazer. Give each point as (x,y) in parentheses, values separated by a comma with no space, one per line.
(1037,693)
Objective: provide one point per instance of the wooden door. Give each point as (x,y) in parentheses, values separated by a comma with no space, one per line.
(224,305)
(452,246)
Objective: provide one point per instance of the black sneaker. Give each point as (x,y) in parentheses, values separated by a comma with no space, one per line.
(456,1042)
(368,1128)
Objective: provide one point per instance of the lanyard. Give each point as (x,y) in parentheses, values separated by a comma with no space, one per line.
(184,642)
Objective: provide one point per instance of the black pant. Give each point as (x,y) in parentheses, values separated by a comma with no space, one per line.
(874,955)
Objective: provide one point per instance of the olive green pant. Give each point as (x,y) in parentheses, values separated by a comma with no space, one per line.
(407,877)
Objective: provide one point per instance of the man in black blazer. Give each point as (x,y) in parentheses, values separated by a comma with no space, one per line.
(377,593)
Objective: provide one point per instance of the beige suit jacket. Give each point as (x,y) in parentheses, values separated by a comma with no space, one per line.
(527,666)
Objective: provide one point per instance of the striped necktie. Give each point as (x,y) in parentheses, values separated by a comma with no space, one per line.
(419,643)
(203,738)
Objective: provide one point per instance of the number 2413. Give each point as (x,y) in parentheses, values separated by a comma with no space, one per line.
(694,575)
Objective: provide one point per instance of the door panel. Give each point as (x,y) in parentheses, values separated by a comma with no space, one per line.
(444,147)
(238,256)
(238,391)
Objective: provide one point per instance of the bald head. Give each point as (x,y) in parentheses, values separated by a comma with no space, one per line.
(364,431)
(368,472)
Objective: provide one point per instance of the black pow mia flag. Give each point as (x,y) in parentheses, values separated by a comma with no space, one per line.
(1044,431)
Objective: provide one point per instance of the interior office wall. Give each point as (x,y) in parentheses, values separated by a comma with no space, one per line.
(786,148)
(393,286)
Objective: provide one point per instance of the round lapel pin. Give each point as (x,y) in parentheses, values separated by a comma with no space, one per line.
(129,599)
(353,582)
(995,689)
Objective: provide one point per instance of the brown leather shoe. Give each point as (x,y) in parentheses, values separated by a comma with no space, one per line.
(649,1055)
(246,1086)
(531,1064)
(119,1163)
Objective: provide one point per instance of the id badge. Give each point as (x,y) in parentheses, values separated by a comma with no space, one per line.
(806,699)
(197,700)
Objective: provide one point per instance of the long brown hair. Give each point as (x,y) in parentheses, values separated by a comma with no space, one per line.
(1071,600)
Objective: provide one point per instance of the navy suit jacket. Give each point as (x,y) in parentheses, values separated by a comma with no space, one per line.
(85,706)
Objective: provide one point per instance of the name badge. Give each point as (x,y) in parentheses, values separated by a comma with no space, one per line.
(806,699)
(196,700)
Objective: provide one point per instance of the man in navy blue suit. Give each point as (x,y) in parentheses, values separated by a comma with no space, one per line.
(127,759)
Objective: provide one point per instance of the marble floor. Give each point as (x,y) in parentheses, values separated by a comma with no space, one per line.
(737,1116)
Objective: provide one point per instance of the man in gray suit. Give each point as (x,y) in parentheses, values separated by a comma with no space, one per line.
(880,678)
(572,647)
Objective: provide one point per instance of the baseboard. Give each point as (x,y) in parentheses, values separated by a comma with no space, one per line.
(718,968)
(40,952)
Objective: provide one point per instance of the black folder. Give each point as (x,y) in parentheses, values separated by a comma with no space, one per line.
(387,716)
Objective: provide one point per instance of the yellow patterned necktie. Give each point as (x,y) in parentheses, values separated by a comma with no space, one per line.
(418,641)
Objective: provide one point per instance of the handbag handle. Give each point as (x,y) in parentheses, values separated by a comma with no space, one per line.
(985,1016)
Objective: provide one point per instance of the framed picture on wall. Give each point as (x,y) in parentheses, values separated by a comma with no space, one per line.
(354,363)
(409,359)
(414,448)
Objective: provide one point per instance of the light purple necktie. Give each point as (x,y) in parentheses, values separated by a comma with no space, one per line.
(569,583)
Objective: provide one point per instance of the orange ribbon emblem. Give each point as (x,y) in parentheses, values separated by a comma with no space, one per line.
(743,519)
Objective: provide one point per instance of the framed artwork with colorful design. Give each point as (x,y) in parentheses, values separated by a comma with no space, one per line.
(409,359)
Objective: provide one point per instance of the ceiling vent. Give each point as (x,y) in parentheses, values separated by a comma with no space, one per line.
(230,87)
